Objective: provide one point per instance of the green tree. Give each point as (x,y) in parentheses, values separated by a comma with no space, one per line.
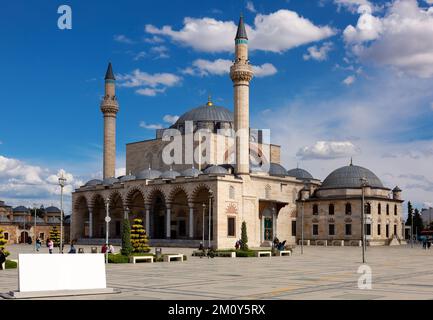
(244,236)
(55,236)
(139,239)
(126,238)
(3,242)
(418,224)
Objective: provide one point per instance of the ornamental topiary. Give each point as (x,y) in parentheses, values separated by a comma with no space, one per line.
(55,236)
(126,238)
(139,239)
(3,242)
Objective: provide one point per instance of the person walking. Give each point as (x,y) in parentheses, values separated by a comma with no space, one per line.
(38,244)
(2,258)
(72,248)
(50,246)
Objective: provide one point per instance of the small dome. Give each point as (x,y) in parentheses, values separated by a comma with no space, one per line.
(148,174)
(396,189)
(215,170)
(52,209)
(93,183)
(170,174)
(128,177)
(350,177)
(191,173)
(21,209)
(109,181)
(300,174)
(276,169)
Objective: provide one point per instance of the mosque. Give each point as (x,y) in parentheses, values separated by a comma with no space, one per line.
(201,178)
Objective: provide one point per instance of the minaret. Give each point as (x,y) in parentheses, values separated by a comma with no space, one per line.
(241,74)
(109,108)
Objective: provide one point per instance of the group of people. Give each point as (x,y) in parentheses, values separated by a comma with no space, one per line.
(426,243)
(279,245)
(238,244)
(107,248)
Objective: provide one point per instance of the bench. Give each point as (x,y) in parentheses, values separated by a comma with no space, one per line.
(230,254)
(175,257)
(285,253)
(134,259)
(263,253)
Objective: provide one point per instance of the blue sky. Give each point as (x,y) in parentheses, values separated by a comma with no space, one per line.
(335,79)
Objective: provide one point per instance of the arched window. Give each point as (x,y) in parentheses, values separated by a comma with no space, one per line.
(315,209)
(331,209)
(232,192)
(348,208)
(387,209)
(379,208)
(395,209)
(367,208)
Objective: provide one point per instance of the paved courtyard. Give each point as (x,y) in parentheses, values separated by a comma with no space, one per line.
(320,273)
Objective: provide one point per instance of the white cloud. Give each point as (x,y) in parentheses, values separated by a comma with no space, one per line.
(150,126)
(328,150)
(24,184)
(154,39)
(170,119)
(123,39)
(349,80)
(354,5)
(276,32)
(203,67)
(400,39)
(150,92)
(140,55)
(319,54)
(160,51)
(250,7)
(120,172)
(151,84)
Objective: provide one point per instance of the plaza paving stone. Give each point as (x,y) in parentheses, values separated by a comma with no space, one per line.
(399,272)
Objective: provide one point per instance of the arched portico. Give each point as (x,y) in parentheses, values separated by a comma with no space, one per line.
(203,217)
(158,212)
(83,218)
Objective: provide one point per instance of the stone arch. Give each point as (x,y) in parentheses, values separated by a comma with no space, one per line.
(179,202)
(132,192)
(174,191)
(156,199)
(135,200)
(81,218)
(116,212)
(200,201)
(95,197)
(99,211)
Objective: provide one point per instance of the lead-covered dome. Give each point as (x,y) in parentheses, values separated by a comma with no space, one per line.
(350,177)
(300,174)
(149,174)
(207,112)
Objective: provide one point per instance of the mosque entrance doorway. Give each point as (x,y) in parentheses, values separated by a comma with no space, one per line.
(24,237)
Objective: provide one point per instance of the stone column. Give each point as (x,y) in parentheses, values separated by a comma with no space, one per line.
(274,224)
(262,229)
(147,220)
(191,220)
(126,212)
(90,222)
(168,222)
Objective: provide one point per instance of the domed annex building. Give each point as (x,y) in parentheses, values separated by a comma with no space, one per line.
(205,189)
(332,212)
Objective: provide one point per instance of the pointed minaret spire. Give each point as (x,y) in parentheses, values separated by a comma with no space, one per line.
(209,100)
(242,33)
(109,74)
(351,161)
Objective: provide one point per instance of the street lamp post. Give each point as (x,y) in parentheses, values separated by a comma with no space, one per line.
(62,182)
(363,184)
(210,216)
(34,228)
(107,221)
(204,209)
(411,229)
(302,227)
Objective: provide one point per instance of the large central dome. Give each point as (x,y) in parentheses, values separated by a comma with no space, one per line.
(207,113)
(350,177)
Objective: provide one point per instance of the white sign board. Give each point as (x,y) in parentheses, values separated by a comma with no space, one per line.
(48,272)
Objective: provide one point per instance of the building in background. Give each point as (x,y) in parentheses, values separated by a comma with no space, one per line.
(18,224)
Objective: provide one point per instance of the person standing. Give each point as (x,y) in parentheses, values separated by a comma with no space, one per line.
(38,244)
(104,248)
(50,246)
(72,249)
(2,258)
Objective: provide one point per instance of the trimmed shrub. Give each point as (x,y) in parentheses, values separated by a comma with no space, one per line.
(117,258)
(245,253)
(244,237)
(126,238)
(9,264)
(138,237)
(3,242)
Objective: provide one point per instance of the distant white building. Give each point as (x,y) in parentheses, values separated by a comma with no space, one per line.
(427,216)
